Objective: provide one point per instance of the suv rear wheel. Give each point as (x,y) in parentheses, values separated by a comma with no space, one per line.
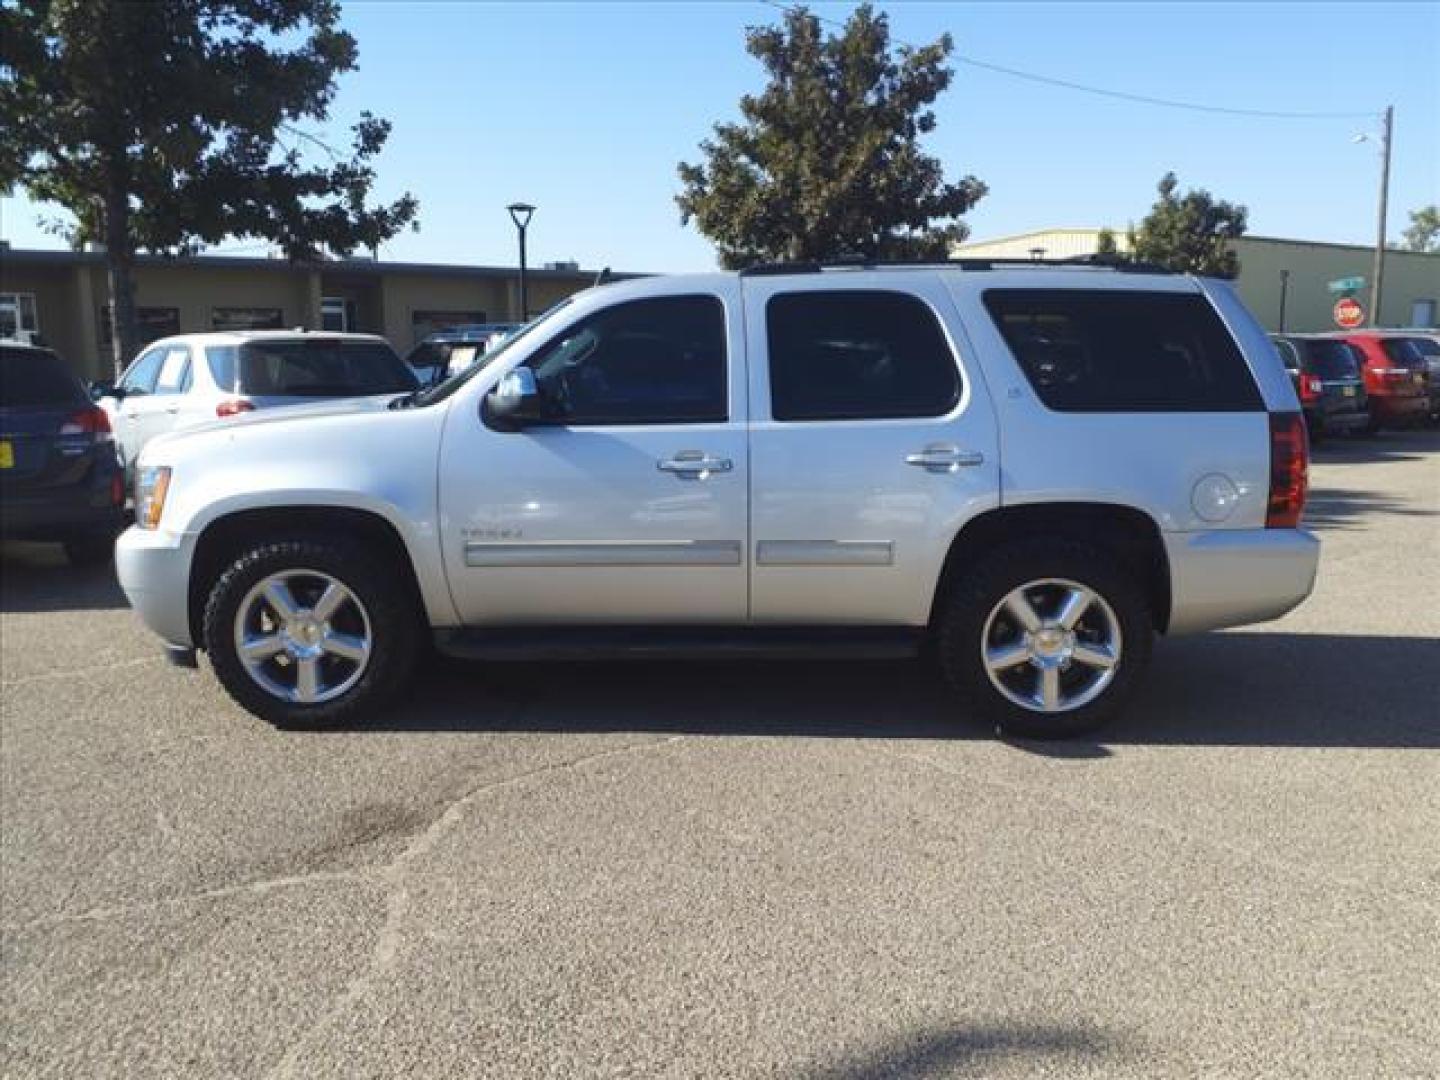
(1046,639)
(311,632)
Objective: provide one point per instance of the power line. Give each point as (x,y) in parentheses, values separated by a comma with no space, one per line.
(1143,99)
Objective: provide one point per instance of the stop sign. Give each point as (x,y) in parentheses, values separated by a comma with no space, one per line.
(1348,313)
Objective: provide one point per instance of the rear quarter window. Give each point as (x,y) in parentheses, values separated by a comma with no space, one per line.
(1092,350)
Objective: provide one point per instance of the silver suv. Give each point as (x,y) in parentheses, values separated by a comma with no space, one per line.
(1034,468)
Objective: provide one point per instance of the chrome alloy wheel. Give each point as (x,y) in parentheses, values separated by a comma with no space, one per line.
(1051,645)
(303,636)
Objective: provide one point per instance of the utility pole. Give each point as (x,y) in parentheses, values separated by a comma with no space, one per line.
(1376,286)
(1284,291)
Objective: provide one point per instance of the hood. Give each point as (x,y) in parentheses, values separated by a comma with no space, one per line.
(284,418)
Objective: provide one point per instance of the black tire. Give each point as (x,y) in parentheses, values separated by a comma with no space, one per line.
(395,623)
(90,550)
(1372,427)
(974,596)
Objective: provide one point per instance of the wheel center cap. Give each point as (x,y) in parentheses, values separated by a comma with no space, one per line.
(306,631)
(1051,641)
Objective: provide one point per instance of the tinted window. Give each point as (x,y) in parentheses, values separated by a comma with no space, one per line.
(857,355)
(140,379)
(1332,359)
(36,377)
(221,359)
(659,361)
(321,368)
(1113,351)
(1403,352)
(1288,356)
(1426,347)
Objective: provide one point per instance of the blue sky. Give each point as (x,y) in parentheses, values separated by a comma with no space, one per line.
(584,110)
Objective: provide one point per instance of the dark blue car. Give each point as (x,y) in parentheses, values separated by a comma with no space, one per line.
(60,477)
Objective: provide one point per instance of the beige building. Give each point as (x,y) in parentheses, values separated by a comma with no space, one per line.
(1275,275)
(62,297)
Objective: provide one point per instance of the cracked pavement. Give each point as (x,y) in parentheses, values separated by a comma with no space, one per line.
(789,870)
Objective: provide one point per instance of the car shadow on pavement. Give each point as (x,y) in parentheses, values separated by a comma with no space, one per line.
(1411,444)
(1329,508)
(38,577)
(1228,689)
(970,1051)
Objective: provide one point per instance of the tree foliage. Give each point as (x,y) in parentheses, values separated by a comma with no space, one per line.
(164,125)
(1424,231)
(1105,243)
(1189,233)
(827,162)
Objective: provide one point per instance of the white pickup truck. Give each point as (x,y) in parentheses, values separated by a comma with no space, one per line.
(1038,468)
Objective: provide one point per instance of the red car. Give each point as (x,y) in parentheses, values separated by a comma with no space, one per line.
(1397,378)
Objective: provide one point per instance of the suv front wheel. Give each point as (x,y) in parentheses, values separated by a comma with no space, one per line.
(311,632)
(1046,639)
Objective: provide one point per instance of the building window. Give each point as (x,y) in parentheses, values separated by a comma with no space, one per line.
(151,324)
(247,318)
(427,322)
(337,314)
(1422,313)
(17,317)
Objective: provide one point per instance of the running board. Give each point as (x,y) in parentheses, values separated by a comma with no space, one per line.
(681,642)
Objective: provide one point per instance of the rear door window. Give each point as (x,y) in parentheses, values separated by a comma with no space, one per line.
(1092,350)
(321,368)
(858,355)
(35,377)
(174,374)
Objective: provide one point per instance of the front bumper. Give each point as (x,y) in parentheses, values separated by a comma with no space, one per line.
(154,570)
(1238,576)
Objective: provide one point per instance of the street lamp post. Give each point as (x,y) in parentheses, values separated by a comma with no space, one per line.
(1284,291)
(520,214)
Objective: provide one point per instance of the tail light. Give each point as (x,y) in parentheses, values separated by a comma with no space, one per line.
(1289,471)
(234,407)
(92,424)
(1310,388)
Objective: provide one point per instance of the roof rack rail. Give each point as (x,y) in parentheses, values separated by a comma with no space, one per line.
(1103,262)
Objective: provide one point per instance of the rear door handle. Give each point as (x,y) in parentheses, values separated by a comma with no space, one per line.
(694,465)
(942,458)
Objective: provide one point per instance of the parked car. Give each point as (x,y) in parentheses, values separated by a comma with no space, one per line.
(455,349)
(59,477)
(1397,378)
(1424,346)
(194,379)
(1326,376)
(793,460)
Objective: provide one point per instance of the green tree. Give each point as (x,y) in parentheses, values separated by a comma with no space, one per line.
(164,125)
(1189,233)
(1105,243)
(1424,231)
(827,162)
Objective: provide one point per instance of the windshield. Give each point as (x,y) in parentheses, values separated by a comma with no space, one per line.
(443,390)
(30,377)
(321,368)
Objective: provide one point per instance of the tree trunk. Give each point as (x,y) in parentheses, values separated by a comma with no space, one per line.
(120,265)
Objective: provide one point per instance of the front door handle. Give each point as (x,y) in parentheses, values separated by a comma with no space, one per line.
(694,465)
(944,458)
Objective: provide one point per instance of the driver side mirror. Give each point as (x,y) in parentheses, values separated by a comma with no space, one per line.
(515,402)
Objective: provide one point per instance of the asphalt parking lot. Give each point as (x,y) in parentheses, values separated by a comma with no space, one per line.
(741,870)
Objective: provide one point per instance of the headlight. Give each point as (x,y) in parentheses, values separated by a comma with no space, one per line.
(151,485)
